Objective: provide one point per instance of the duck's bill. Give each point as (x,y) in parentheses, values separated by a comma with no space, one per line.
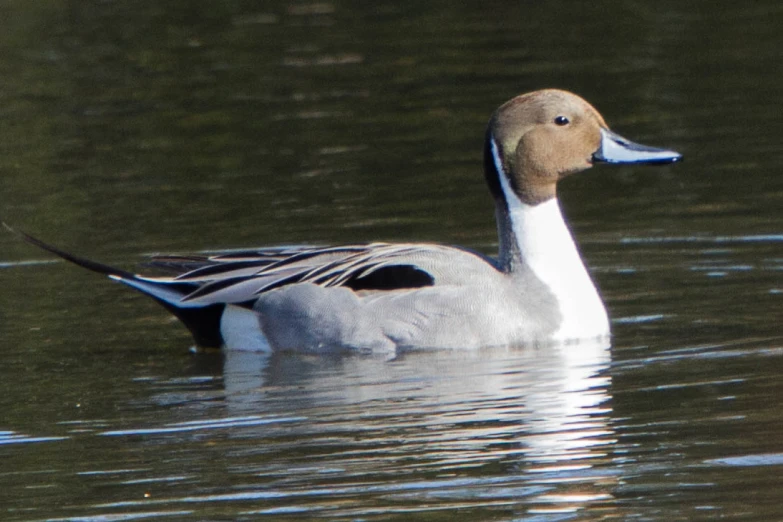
(616,149)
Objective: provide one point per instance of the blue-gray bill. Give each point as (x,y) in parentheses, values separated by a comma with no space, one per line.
(616,149)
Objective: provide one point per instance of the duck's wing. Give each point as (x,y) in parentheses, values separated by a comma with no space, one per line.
(377,266)
(175,264)
(240,277)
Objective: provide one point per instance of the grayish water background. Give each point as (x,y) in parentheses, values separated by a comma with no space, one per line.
(135,127)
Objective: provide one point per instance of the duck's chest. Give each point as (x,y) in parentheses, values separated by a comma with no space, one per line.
(551,265)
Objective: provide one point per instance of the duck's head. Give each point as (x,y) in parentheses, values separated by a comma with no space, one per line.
(538,138)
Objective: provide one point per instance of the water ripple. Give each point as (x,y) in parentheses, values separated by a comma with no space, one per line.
(766,459)
(10,437)
(209,424)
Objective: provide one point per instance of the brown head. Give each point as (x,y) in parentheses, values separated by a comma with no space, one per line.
(538,138)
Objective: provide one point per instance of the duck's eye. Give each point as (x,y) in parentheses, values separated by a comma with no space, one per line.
(562,120)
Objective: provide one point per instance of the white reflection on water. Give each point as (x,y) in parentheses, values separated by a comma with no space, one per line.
(525,430)
(201,425)
(765,459)
(123,517)
(10,437)
(542,413)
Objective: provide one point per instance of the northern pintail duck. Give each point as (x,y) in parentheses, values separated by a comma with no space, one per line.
(380,297)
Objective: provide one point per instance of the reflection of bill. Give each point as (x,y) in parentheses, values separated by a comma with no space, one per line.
(541,413)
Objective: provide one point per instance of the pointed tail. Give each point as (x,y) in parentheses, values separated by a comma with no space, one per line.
(202,321)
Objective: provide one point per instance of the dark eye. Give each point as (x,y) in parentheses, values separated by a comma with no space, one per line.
(562,120)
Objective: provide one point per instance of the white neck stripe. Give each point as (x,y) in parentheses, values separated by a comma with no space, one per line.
(512,200)
(498,162)
(547,248)
(496,155)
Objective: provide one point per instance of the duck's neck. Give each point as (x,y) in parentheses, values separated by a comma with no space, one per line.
(535,239)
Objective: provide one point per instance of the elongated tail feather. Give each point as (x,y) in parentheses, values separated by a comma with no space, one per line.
(202,321)
(80,261)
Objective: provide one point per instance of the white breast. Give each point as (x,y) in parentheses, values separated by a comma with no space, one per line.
(547,247)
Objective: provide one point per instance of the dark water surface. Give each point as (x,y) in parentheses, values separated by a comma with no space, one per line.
(135,127)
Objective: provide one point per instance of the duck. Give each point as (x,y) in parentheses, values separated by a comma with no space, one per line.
(382,297)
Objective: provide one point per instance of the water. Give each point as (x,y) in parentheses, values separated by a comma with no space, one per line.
(130,128)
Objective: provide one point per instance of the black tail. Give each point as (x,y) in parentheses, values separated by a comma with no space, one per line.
(82,262)
(202,321)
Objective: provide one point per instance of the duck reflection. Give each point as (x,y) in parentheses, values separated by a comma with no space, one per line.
(532,422)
